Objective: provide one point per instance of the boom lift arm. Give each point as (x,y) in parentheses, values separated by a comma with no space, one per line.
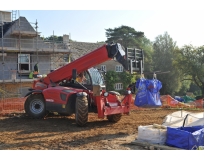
(100,55)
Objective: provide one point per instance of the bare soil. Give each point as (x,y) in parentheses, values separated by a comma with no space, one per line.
(54,132)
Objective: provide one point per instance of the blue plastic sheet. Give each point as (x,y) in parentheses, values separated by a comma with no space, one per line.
(141,96)
(189,138)
(148,93)
(179,99)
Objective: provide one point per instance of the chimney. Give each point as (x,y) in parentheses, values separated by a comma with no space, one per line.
(65,38)
(5,16)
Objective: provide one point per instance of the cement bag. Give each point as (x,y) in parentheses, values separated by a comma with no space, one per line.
(151,134)
(189,138)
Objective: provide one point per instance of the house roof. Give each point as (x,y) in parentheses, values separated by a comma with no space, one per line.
(6,26)
(82,48)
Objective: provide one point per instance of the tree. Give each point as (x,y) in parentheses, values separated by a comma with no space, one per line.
(163,56)
(54,38)
(125,35)
(191,64)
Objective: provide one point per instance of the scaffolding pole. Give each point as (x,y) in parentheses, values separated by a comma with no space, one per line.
(2,41)
(19,24)
(37,40)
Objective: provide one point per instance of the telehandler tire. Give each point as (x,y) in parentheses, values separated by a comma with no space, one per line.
(81,110)
(114,117)
(35,106)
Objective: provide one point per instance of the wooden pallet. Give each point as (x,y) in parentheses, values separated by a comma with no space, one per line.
(151,146)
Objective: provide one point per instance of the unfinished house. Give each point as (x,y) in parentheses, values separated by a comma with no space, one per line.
(21,47)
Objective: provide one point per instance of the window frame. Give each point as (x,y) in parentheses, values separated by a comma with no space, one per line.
(118,68)
(118,86)
(20,62)
(103,67)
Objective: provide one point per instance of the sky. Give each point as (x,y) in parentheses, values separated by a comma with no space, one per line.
(185,25)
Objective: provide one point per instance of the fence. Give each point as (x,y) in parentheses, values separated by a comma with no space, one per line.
(169,102)
(12,105)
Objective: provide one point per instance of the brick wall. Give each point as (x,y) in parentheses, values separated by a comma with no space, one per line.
(14,89)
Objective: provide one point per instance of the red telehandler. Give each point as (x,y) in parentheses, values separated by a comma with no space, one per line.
(60,92)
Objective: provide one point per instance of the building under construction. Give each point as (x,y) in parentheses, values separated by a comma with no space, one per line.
(21,48)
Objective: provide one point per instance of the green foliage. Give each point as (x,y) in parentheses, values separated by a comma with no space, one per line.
(195,90)
(164,51)
(110,78)
(147,47)
(54,38)
(191,64)
(113,77)
(185,85)
(125,35)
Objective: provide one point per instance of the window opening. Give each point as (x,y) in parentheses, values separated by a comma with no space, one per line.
(118,86)
(24,62)
(103,67)
(119,68)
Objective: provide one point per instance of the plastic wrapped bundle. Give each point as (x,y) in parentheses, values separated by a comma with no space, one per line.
(148,95)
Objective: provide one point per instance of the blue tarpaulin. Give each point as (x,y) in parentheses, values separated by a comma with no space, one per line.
(179,99)
(189,138)
(148,93)
(141,96)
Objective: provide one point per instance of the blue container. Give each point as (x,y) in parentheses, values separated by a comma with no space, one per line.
(189,138)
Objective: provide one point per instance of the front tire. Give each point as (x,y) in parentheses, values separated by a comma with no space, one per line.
(35,106)
(81,109)
(114,118)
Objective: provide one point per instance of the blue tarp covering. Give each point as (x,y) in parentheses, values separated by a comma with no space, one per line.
(189,138)
(179,99)
(148,93)
(141,96)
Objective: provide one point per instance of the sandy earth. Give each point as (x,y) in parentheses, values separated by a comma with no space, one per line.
(19,132)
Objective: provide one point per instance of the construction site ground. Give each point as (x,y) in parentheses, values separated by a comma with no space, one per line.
(54,132)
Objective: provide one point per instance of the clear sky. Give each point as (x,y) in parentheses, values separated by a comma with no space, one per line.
(87,24)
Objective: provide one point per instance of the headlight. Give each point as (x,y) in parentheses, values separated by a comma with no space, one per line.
(128,92)
(106,94)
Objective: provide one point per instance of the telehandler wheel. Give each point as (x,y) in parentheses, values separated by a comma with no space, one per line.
(81,110)
(35,106)
(114,117)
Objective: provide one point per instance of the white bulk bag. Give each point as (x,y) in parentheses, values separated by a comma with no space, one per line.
(152,134)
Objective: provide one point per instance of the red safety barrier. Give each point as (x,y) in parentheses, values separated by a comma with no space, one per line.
(11,105)
(168,101)
(199,103)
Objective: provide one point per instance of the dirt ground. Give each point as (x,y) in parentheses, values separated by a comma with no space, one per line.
(19,132)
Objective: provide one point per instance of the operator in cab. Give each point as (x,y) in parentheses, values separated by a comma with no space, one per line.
(80,78)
